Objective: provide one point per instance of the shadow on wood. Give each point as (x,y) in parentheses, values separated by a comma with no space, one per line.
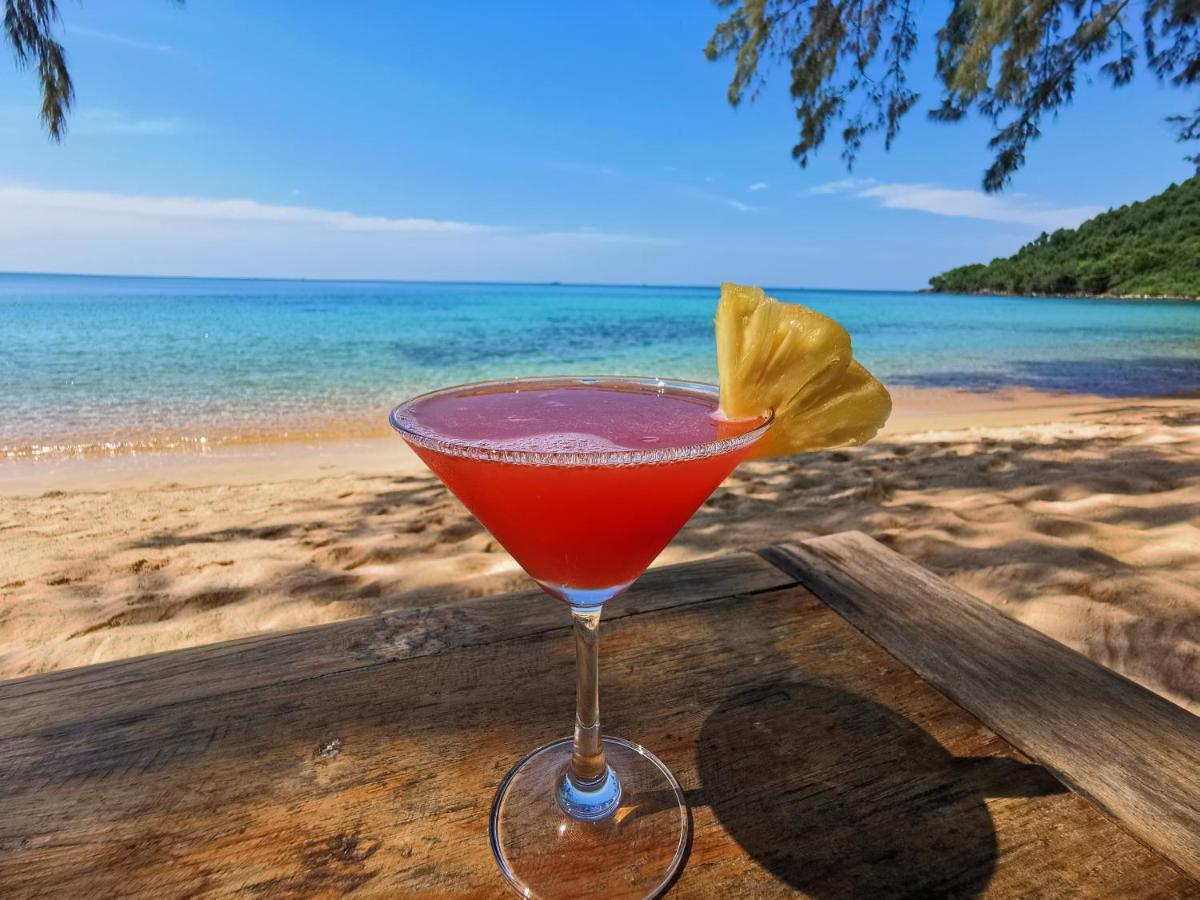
(836,795)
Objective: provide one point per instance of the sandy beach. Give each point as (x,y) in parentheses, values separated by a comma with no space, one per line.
(1076,515)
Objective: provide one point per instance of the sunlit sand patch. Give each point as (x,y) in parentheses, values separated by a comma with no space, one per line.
(1089,529)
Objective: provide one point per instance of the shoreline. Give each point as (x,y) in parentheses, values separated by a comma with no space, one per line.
(358,444)
(1036,295)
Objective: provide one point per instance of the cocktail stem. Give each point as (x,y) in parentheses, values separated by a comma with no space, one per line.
(588,788)
(588,766)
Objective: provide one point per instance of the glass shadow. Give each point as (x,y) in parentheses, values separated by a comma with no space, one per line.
(838,796)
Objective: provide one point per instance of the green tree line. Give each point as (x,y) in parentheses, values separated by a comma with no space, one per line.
(1151,248)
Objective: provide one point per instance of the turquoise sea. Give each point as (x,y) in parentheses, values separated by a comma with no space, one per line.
(127,362)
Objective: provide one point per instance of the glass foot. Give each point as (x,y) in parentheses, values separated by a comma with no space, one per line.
(635,851)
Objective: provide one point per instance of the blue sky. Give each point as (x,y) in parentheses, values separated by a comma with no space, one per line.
(530,141)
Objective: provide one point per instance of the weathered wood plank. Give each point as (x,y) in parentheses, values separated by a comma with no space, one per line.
(122,687)
(1133,753)
(813,760)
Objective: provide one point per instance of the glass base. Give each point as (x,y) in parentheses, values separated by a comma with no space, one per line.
(635,851)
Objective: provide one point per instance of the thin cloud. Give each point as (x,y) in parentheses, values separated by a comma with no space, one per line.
(757,186)
(88,231)
(845,185)
(704,194)
(121,40)
(113,122)
(15,199)
(959,203)
(205,209)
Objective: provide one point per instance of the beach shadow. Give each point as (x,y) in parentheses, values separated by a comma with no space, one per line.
(356,547)
(418,490)
(165,540)
(838,796)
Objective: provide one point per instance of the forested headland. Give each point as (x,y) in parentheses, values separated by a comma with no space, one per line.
(1145,249)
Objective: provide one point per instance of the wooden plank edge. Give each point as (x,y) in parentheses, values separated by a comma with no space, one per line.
(654,579)
(247,663)
(827,567)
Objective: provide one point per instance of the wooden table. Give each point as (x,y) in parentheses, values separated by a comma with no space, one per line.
(844,725)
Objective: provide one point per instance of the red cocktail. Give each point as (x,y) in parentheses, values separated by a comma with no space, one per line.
(584,481)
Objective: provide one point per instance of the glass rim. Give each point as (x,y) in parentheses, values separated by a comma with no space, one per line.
(628,457)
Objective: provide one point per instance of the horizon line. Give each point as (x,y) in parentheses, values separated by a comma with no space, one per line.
(551,283)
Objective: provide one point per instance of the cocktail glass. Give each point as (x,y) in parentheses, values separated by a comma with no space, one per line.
(584,480)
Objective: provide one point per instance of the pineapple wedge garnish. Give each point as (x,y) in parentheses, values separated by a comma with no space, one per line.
(787,358)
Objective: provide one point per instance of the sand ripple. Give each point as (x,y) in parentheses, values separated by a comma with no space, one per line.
(1088,529)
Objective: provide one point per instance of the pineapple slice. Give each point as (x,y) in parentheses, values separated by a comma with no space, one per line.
(797,362)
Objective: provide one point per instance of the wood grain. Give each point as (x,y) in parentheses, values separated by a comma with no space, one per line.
(121,687)
(1134,754)
(814,761)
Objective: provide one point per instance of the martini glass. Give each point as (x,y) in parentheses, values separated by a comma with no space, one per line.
(584,480)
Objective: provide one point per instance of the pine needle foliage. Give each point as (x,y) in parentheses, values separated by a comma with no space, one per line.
(1015,62)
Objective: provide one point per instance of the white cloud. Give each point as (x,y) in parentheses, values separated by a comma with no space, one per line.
(741,207)
(845,185)
(957,202)
(49,230)
(199,208)
(111,121)
(757,186)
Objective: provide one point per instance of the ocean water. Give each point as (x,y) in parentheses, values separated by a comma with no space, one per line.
(96,363)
